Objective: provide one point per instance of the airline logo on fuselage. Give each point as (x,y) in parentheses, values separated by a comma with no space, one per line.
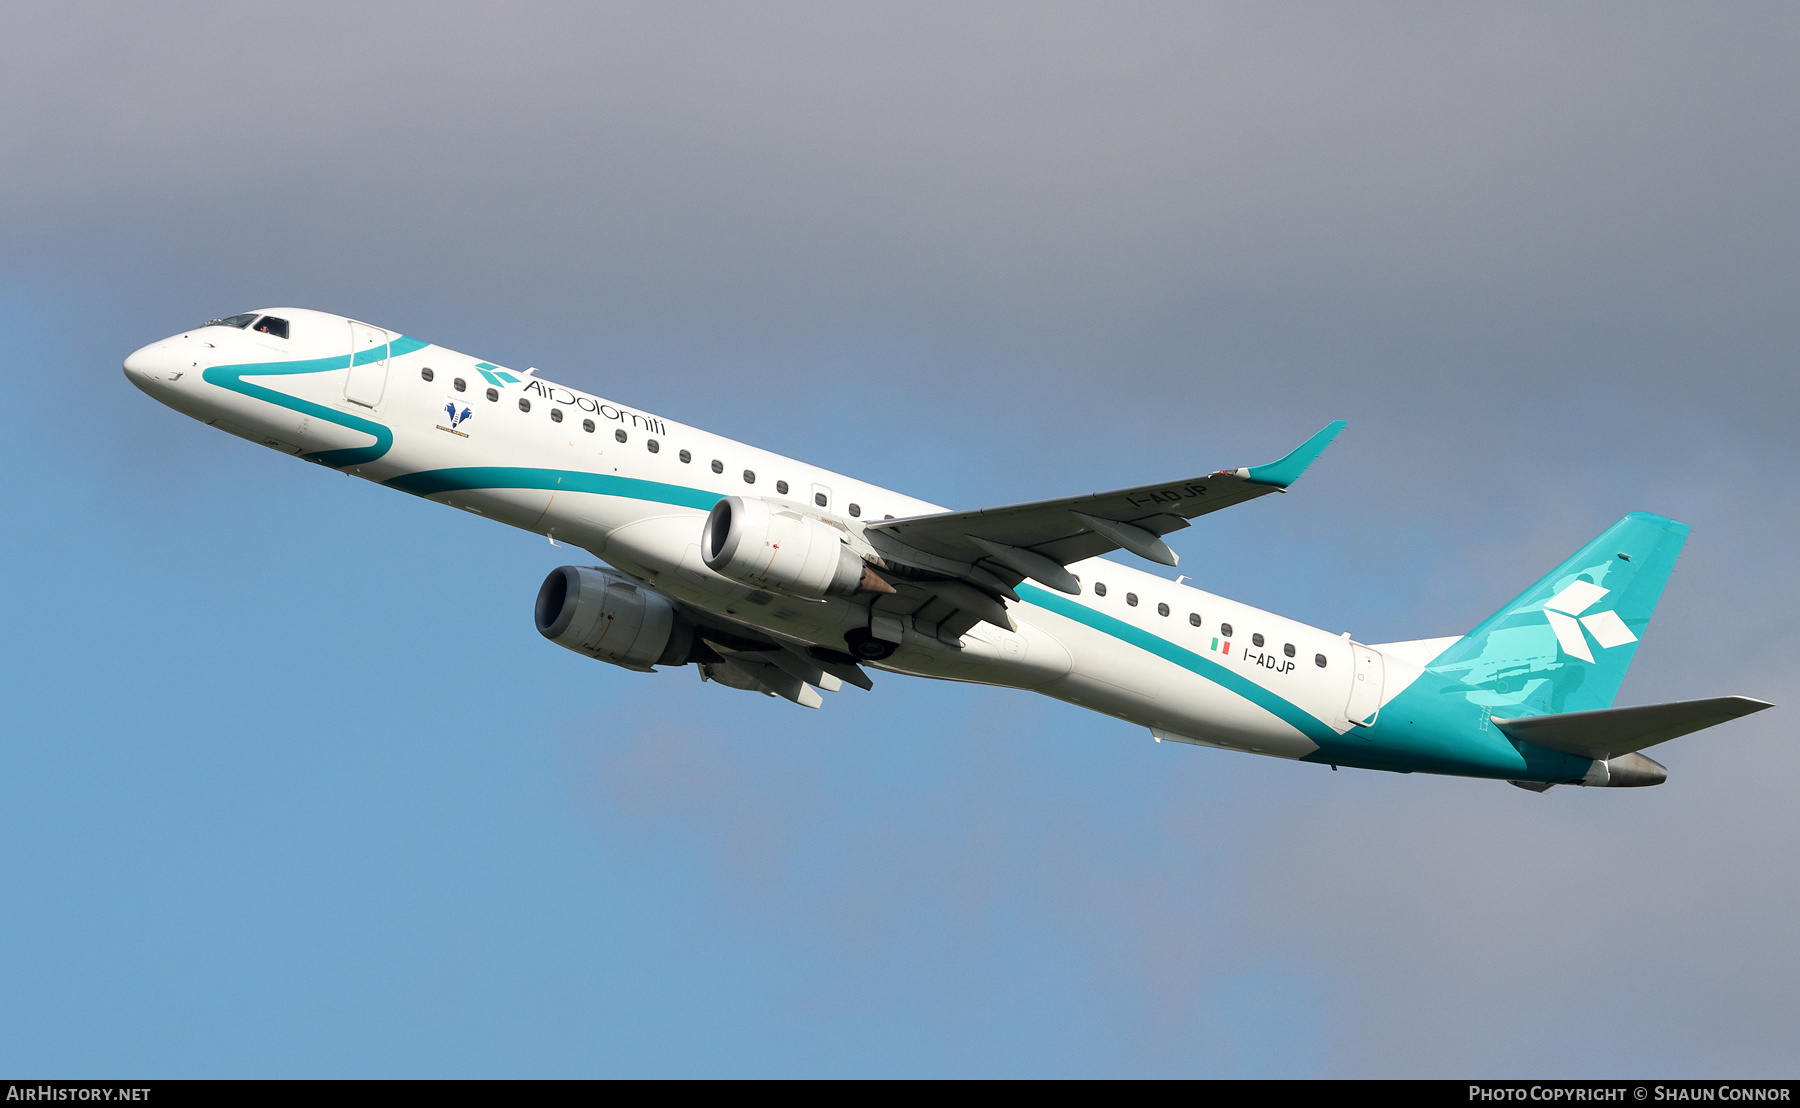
(1572,628)
(556,394)
(494,374)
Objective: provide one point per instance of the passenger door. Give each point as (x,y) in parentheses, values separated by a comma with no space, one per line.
(1365,685)
(368,365)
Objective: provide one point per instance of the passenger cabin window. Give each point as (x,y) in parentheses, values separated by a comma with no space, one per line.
(1319,660)
(1194,619)
(269,325)
(524,404)
(856,509)
(1099,588)
(1288,649)
(588,426)
(718,466)
(555,415)
(426,374)
(781,487)
(1131,599)
(749,477)
(239,321)
(652,445)
(493,394)
(460,385)
(1225,629)
(685,456)
(619,435)
(819,499)
(1162,609)
(1256,640)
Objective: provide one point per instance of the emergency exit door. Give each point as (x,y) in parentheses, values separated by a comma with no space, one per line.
(368,365)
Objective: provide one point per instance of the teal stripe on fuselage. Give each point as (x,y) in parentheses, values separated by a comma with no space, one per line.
(1434,740)
(1298,718)
(1418,731)
(437,481)
(232,377)
(431,482)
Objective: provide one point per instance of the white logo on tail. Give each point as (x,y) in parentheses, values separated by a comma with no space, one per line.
(1564,613)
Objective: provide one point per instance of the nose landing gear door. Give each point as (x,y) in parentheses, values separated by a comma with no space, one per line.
(368,365)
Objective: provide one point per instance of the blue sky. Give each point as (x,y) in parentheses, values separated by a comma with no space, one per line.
(294,788)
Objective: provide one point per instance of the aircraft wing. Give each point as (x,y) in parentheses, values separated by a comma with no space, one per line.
(742,657)
(1001,546)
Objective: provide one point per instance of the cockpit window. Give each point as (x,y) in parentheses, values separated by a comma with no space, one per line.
(234,321)
(270,325)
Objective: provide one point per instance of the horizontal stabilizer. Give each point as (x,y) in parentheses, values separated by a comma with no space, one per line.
(1610,732)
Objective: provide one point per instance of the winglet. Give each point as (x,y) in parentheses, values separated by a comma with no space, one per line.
(1288,470)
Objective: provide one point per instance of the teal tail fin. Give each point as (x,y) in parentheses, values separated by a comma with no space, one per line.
(1563,644)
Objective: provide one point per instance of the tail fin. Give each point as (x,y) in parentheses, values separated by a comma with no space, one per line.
(1563,644)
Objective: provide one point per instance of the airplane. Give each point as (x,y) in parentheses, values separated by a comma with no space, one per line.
(780,578)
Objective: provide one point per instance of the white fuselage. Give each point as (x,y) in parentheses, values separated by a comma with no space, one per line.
(1132,652)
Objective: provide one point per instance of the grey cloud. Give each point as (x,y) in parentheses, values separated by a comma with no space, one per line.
(971,162)
(1569,226)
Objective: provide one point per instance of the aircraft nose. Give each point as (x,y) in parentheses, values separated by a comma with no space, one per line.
(157,362)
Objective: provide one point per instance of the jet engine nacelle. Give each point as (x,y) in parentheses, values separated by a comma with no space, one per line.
(758,543)
(608,616)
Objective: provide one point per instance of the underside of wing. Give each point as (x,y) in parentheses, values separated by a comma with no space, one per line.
(741,657)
